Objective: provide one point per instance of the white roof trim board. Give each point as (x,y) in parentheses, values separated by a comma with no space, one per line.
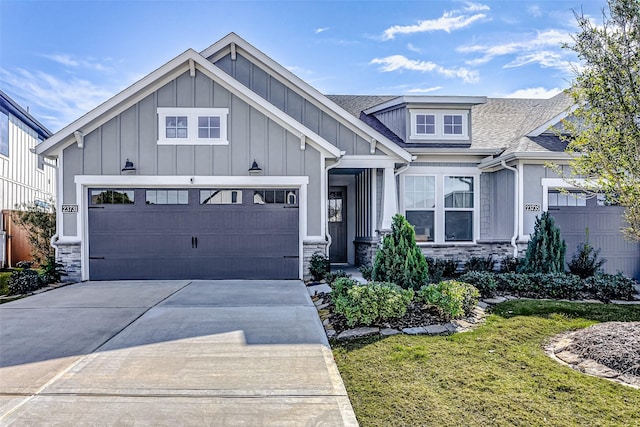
(287,76)
(161,76)
(433,100)
(554,121)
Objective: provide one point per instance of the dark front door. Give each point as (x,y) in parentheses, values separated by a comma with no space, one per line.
(338,224)
(193,234)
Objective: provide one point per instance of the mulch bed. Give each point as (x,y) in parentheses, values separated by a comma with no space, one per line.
(416,315)
(615,345)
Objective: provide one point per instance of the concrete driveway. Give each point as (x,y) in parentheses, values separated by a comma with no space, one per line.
(169,353)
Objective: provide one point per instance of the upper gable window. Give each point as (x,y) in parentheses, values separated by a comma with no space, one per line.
(192,126)
(439,124)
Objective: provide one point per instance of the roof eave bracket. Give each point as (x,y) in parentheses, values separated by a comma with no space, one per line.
(372,148)
(303,142)
(192,68)
(79,138)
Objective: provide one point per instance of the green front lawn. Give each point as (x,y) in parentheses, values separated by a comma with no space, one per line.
(497,375)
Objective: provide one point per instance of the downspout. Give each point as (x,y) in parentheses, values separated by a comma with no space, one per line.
(402,169)
(516,205)
(326,172)
(54,238)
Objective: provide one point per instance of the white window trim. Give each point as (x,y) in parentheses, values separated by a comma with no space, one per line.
(192,115)
(439,119)
(439,221)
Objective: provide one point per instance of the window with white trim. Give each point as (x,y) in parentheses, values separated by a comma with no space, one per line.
(192,126)
(439,124)
(441,207)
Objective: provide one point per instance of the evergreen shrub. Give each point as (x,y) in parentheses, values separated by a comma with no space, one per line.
(400,260)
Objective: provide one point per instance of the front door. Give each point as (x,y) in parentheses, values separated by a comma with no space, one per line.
(338,224)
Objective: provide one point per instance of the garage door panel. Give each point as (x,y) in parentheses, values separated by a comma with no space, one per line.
(604,224)
(141,241)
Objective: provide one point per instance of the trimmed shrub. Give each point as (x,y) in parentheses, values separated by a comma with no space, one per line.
(585,262)
(372,303)
(546,250)
(4,282)
(485,282)
(319,266)
(341,285)
(479,264)
(400,260)
(452,299)
(440,269)
(24,282)
(607,287)
(510,264)
(558,285)
(332,277)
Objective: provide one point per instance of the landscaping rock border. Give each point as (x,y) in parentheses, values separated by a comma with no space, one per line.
(558,349)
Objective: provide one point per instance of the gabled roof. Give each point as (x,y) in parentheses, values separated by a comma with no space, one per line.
(188,60)
(232,42)
(10,106)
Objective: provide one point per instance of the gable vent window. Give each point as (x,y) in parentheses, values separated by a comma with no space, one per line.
(441,125)
(192,126)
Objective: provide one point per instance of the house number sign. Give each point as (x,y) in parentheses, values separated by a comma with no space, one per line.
(532,207)
(69,208)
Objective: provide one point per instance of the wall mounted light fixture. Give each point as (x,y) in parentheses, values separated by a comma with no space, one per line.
(254,169)
(128,167)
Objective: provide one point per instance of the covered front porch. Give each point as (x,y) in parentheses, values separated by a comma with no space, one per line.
(361,202)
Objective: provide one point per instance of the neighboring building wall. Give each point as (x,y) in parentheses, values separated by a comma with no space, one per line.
(294,105)
(21,181)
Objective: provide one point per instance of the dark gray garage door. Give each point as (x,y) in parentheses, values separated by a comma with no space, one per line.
(604,224)
(193,234)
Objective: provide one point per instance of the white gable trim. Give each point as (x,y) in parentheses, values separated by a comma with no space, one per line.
(222,47)
(160,77)
(554,121)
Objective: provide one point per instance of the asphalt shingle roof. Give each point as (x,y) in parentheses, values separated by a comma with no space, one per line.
(500,123)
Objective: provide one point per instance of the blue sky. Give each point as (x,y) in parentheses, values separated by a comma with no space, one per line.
(63,58)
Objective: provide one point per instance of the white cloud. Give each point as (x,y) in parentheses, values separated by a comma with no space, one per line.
(52,100)
(400,62)
(449,21)
(74,62)
(475,7)
(424,90)
(543,48)
(413,48)
(320,30)
(534,10)
(535,92)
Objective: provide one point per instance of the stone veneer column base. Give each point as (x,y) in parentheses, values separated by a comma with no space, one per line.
(308,249)
(69,255)
(366,248)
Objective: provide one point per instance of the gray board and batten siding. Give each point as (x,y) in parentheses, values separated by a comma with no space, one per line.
(133,134)
(604,224)
(293,104)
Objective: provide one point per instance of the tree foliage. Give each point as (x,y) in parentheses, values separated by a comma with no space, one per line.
(400,260)
(39,221)
(605,134)
(546,249)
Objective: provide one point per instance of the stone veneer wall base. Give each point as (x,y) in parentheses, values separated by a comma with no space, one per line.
(68,254)
(308,249)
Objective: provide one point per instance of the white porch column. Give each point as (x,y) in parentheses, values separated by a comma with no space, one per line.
(389,199)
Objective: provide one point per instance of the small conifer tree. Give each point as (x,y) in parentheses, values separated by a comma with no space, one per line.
(400,260)
(546,249)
